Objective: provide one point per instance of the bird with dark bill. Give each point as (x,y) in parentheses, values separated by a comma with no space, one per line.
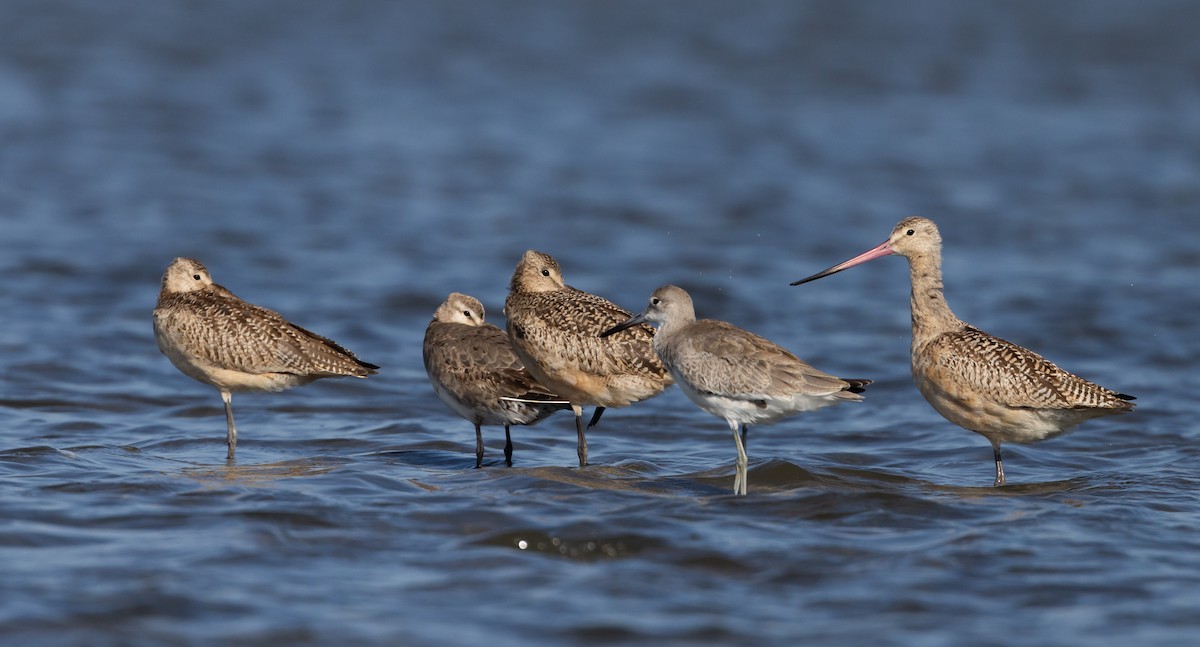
(216,338)
(734,374)
(474,370)
(1002,391)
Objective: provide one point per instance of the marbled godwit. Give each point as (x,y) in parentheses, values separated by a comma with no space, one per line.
(1006,393)
(555,330)
(474,370)
(214,337)
(734,374)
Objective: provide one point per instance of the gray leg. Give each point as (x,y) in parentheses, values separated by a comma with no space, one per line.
(999,465)
(745,429)
(478,447)
(581,449)
(231,429)
(507,447)
(741,476)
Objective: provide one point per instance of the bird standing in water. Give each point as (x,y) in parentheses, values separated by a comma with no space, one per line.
(734,374)
(216,338)
(555,330)
(474,370)
(1002,391)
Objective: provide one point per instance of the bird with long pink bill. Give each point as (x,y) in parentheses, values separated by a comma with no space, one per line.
(1002,391)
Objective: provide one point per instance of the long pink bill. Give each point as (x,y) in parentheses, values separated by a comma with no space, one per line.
(882,250)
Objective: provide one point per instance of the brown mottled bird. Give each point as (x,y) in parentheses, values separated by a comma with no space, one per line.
(1006,393)
(216,338)
(734,374)
(474,370)
(555,330)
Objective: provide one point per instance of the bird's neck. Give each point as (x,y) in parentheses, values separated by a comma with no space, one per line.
(931,315)
(163,297)
(665,333)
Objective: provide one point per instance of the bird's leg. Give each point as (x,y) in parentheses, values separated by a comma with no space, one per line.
(507,447)
(745,428)
(581,449)
(596,417)
(999,465)
(231,429)
(740,475)
(478,447)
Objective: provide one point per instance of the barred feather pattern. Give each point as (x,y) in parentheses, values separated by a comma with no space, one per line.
(1012,375)
(980,382)
(215,337)
(555,328)
(473,368)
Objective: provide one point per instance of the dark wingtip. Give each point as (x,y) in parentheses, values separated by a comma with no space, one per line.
(1126,397)
(858,386)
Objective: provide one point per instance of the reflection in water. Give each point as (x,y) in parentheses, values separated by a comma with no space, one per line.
(233,473)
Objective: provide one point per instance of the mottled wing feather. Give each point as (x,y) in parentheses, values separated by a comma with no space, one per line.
(1012,375)
(570,321)
(235,335)
(332,349)
(478,366)
(719,358)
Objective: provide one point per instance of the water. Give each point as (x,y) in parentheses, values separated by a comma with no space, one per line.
(349,164)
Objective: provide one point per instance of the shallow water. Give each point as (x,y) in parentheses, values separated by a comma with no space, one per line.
(349,165)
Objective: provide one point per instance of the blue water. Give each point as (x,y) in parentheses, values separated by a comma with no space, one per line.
(349,164)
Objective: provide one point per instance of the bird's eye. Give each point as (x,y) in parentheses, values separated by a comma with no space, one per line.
(545,272)
(196,276)
(467,314)
(909,232)
(653,302)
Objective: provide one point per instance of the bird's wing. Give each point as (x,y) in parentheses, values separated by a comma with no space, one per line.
(478,365)
(569,322)
(235,335)
(1012,375)
(719,358)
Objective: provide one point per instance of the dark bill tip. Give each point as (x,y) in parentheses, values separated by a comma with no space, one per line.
(819,275)
(624,325)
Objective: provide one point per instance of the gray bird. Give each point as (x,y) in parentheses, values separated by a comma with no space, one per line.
(734,374)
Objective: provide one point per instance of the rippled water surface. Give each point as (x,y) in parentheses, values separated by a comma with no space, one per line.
(349,164)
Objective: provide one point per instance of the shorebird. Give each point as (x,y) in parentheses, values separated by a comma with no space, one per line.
(216,338)
(474,370)
(555,330)
(995,388)
(734,374)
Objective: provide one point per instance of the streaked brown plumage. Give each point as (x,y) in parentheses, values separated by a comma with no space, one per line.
(555,331)
(474,370)
(216,338)
(993,387)
(734,374)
